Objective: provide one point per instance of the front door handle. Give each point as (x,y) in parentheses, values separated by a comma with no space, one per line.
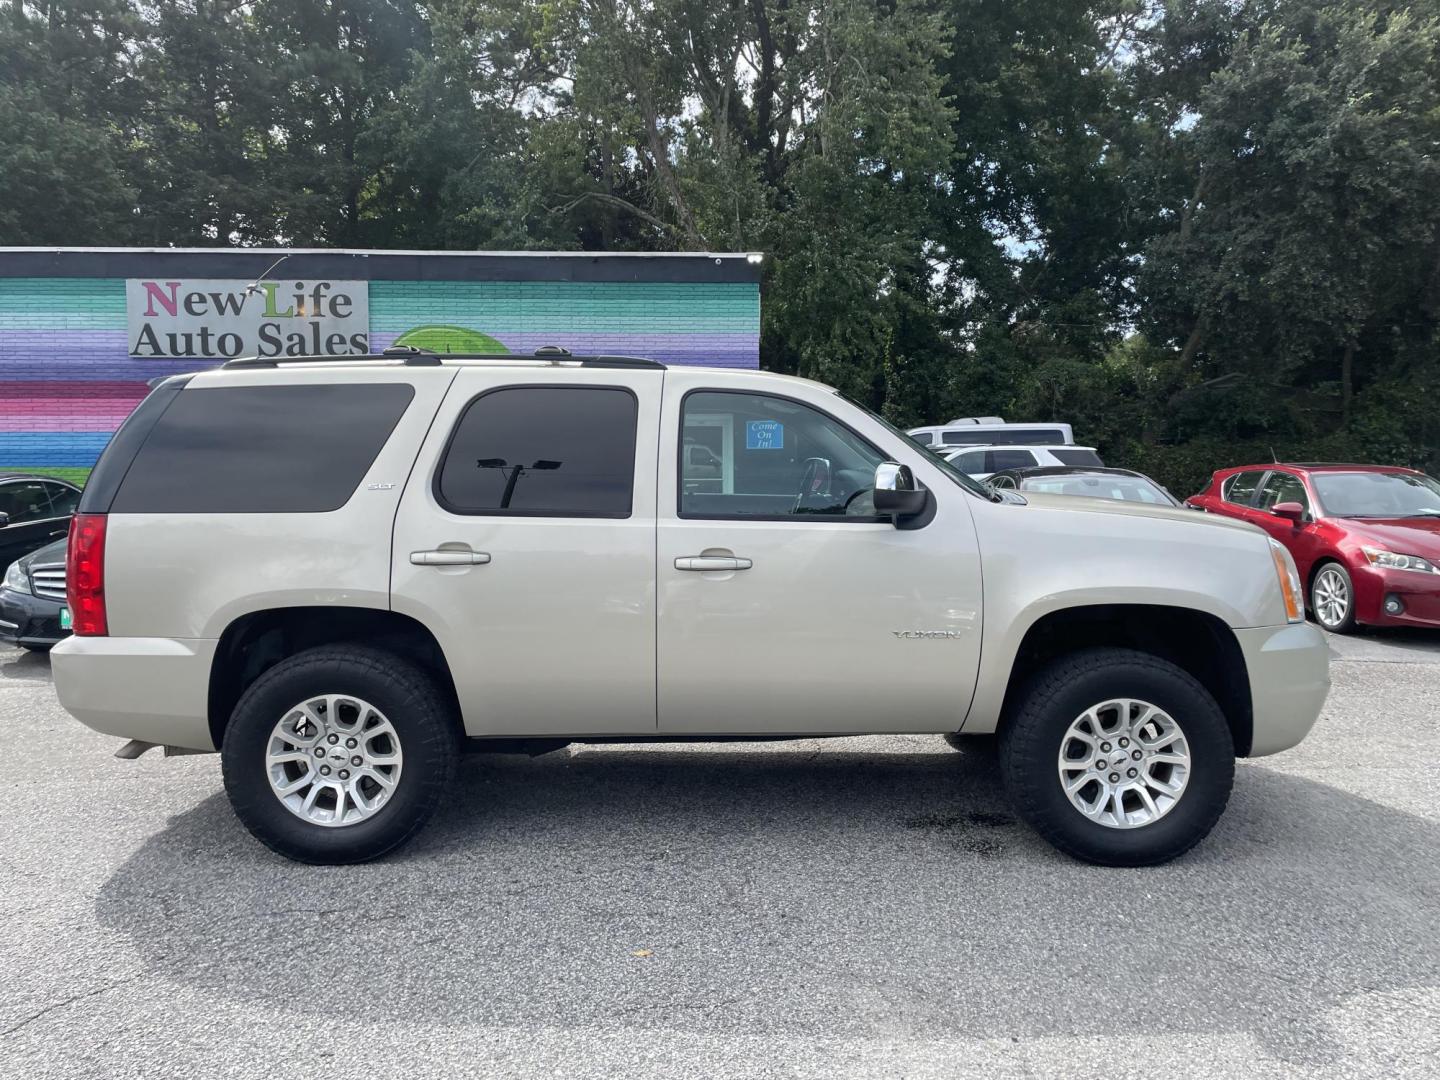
(444,557)
(712,562)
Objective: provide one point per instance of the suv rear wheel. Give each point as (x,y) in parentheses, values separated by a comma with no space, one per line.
(339,754)
(1118,757)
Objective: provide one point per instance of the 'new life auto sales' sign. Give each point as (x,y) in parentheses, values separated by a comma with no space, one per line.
(223,319)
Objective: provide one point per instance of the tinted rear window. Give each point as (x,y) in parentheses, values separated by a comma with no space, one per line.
(1077,457)
(1030,436)
(995,460)
(261,449)
(560,451)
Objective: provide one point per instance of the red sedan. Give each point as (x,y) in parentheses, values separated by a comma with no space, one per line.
(1366,538)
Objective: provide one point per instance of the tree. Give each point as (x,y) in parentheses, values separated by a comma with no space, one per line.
(1311,234)
(68,101)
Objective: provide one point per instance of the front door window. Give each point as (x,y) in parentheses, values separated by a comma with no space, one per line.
(764,457)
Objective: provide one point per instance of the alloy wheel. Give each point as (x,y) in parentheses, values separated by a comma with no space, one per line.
(333,760)
(1124,763)
(1330,598)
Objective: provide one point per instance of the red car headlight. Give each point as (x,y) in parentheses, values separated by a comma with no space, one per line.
(1391,560)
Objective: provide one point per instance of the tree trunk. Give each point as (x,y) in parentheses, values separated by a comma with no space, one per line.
(1347,382)
(1187,216)
(1193,343)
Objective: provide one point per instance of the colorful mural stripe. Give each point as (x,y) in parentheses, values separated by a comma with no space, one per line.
(67,380)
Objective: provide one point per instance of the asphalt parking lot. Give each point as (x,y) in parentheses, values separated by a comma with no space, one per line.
(860,907)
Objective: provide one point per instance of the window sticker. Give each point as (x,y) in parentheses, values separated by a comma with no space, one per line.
(764,435)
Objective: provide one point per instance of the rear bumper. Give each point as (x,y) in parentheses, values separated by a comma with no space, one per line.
(153,689)
(1289,669)
(29,620)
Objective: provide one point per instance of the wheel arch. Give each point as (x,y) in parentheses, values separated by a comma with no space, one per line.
(1196,641)
(253,643)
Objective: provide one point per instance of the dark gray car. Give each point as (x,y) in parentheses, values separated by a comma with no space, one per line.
(32,595)
(34,510)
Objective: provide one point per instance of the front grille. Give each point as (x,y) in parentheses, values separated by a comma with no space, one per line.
(48,581)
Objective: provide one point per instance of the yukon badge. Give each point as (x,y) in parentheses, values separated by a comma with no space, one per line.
(921,635)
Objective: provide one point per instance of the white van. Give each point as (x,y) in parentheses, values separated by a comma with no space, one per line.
(991,431)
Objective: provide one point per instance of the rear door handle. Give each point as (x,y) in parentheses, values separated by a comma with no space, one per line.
(449,558)
(712,562)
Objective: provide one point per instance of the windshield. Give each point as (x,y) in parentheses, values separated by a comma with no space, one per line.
(1124,488)
(968,483)
(1376,494)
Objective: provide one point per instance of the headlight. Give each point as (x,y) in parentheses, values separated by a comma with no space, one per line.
(1289,582)
(1391,561)
(15,579)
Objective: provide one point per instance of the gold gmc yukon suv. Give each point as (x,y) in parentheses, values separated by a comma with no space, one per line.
(338,572)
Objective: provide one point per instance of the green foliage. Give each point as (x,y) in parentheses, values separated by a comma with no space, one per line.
(1199,230)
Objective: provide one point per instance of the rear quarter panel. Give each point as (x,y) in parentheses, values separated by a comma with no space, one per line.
(191,575)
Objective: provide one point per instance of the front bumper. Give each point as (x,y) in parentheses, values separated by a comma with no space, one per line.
(1289,669)
(1419,593)
(29,620)
(153,689)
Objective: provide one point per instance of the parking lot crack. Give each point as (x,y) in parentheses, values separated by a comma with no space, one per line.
(65,1003)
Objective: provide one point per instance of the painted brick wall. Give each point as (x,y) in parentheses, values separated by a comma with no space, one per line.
(66,381)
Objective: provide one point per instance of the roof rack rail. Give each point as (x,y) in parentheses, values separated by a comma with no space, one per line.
(414,357)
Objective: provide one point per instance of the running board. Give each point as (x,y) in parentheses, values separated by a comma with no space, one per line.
(135,747)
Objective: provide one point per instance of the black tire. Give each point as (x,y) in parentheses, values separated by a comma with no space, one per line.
(1030,745)
(424,723)
(1347,624)
(975,742)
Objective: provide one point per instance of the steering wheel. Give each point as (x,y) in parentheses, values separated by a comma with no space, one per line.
(861,503)
(814,482)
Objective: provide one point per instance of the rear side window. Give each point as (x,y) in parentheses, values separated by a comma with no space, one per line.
(552,451)
(995,460)
(1240,488)
(1077,457)
(971,462)
(261,449)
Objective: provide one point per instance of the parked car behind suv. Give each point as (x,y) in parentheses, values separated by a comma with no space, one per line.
(981,461)
(1096,483)
(34,511)
(991,431)
(1365,538)
(334,572)
(32,599)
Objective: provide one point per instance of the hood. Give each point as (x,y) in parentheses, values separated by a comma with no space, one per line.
(50,553)
(1404,536)
(1120,508)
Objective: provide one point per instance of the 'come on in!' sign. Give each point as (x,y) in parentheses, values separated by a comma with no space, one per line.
(764,435)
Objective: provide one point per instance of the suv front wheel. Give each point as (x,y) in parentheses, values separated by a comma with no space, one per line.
(339,754)
(1118,757)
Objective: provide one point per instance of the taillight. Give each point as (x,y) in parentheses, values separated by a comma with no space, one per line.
(85,575)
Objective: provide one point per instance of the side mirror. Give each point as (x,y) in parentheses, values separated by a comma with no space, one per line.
(895,491)
(1290,511)
(4,519)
